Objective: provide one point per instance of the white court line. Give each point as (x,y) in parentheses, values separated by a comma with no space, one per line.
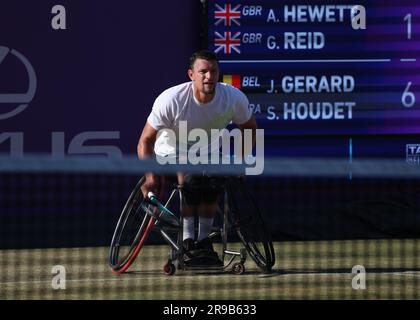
(408,60)
(116,278)
(400,273)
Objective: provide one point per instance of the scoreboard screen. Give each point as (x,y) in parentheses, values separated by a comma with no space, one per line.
(321,67)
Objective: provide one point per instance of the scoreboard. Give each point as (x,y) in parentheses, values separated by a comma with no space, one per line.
(325,68)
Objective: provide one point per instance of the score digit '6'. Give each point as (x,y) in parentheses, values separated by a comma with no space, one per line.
(408,99)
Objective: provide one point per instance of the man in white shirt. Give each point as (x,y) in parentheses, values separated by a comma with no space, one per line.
(206,104)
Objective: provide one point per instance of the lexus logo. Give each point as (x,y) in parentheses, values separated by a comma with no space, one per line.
(21,99)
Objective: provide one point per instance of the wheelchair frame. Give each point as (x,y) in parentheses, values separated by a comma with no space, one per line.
(151,215)
(176,253)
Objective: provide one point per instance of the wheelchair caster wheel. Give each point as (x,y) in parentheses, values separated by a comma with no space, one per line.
(169,269)
(238,268)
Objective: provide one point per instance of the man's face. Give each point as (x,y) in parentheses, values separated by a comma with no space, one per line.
(205,75)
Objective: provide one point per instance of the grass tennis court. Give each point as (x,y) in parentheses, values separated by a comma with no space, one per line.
(303,270)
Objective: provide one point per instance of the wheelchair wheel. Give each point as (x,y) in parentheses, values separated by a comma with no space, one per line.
(238,268)
(169,269)
(246,218)
(131,232)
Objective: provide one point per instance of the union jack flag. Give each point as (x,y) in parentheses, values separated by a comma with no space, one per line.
(227,42)
(227,14)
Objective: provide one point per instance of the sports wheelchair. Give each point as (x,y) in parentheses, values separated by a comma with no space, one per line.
(241,219)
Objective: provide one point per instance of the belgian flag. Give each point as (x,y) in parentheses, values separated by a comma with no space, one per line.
(234,80)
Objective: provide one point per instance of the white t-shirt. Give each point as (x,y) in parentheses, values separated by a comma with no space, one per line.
(178,103)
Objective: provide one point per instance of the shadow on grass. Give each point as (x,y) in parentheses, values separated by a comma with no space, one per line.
(282,272)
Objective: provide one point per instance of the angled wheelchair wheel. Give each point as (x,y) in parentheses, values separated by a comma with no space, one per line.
(246,218)
(131,232)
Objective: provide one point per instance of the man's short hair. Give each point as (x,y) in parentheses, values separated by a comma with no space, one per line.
(203,54)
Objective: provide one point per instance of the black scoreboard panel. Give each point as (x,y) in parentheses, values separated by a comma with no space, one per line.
(346,72)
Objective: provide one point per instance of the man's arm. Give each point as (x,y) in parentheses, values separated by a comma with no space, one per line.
(145,150)
(146,142)
(251,124)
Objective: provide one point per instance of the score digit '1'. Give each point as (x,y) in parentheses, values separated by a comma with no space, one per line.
(408,19)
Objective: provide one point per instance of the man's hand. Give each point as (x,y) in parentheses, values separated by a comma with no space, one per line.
(151,184)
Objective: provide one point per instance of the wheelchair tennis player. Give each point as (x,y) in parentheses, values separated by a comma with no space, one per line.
(203,103)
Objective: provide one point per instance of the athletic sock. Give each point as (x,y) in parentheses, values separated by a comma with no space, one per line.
(204,227)
(188,228)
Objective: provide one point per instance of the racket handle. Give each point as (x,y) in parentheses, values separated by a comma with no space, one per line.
(151,195)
